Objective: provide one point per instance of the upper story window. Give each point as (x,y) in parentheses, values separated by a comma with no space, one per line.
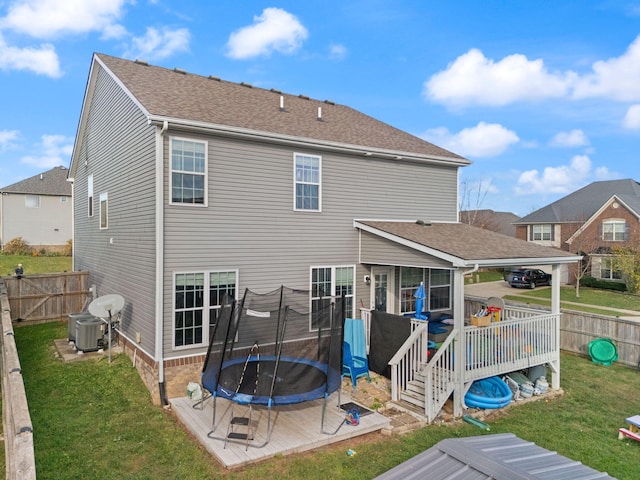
(32,201)
(307,188)
(615,230)
(90,195)
(104,211)
(541,232)
(188,172)
(64,199)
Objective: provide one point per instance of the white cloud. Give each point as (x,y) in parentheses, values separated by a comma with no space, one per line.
(158,44)
(274,30)
(474,79)
(55,150)
(483,140)
(52,18)
(573,138)
(562,179)
(337,52)
(7,137)
(42,60)
(615,78)
(632,118)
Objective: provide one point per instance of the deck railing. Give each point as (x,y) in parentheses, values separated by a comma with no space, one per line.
(409,359)
(528,338)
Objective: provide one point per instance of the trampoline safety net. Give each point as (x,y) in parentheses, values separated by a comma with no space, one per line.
(273,348)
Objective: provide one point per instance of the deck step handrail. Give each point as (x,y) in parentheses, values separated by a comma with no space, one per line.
(439,377)
(408,360)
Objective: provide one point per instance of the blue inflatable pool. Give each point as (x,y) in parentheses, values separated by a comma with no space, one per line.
(489,392)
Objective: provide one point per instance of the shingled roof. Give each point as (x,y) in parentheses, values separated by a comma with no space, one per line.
(580,205)
(175,94)
(466,245)
(51,182)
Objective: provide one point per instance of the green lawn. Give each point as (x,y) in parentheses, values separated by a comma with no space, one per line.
(606,300)
(32,264)
(95,419)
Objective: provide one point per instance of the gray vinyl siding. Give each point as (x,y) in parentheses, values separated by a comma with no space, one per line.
(250,223)
(119,148)
(379,251)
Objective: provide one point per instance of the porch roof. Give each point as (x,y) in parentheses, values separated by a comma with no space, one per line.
(465,245)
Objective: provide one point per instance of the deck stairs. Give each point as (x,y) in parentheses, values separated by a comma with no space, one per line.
(422,384)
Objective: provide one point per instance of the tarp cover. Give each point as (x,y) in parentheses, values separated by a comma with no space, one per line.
(388,333)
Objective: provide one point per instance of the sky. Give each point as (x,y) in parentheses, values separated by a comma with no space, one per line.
(542,96)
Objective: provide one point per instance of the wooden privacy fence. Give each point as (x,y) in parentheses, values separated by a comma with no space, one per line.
(16,420)
(43,297)
(577,329)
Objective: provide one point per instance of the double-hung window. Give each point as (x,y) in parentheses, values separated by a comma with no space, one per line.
(198,298)
(32,201)
(328,283)
(541,232)
(614,230)
(188,172)
(307,188)
(410,278)
(439,289)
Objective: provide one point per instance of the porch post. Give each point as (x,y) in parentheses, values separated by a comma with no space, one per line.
(458,351)
(555,310)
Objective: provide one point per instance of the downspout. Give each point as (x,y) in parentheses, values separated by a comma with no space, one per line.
(73,223)
(458,349)
(159,307)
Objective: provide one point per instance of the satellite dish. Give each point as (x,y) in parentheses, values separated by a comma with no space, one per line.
(106,306)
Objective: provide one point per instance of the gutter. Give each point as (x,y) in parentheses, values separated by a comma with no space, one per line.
(159,340)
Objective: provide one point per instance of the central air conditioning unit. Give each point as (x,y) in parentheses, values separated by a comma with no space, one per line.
(89,334)
(74,318)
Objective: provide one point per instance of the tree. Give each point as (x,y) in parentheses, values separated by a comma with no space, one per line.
(627,261)
(585,243)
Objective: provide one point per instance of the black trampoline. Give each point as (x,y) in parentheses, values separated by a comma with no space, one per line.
(273,349)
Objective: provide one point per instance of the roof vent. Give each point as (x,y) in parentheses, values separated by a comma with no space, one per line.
(142,62)
(180,70)
(245,84)
(213,77)
(329,102)
(319,114)
(423,223)
(282,103)
(275,90)
(303,96)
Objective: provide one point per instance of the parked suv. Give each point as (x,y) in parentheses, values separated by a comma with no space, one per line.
(528,277)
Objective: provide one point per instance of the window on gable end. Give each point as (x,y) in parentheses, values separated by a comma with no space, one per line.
(32,201)
(188,172)
(90,195)
(104,211)
(615,230)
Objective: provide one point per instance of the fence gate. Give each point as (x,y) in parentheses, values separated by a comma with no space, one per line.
(44,297)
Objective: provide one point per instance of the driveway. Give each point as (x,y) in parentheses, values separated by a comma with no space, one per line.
(501,288)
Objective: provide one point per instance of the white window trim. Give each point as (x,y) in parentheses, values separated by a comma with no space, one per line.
(90,200)
(333,287)
(104,197)
(542,232)
(295,183)
(36,201)
(205,174)
(206,306)
(613,222)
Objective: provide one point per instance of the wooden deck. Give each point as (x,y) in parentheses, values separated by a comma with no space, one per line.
(295,428)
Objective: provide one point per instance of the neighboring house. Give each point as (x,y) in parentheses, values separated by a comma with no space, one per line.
(501,222)
(188,187)
(589,222)
(38,209)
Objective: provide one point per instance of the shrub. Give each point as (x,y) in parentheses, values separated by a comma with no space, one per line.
(68,248)
(17,246)
(602,284)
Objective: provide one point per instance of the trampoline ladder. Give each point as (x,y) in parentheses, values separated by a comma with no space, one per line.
(241,427)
